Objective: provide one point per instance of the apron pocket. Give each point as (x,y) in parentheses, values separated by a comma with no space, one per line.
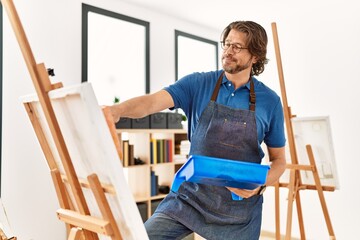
(218,206)
(223,128)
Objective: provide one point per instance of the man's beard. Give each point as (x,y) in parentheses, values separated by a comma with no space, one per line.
(237,68)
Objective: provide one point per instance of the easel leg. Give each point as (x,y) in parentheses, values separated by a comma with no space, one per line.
(320,192)
(61,194)
(277,211)
(299,211)
(290,204)
(104,206)
(300,218)
(76,234)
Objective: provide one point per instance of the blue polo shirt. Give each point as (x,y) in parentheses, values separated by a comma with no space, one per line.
(193,92)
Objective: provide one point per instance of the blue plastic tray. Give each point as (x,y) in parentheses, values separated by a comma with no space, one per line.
(221,172)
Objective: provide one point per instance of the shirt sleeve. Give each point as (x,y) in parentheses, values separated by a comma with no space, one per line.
(275,137)
(182,92)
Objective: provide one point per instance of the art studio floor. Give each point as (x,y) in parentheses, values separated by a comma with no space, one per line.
(265,235)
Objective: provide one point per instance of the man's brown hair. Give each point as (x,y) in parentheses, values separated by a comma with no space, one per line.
(256,42)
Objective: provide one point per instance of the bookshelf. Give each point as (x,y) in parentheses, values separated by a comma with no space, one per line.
(162,158)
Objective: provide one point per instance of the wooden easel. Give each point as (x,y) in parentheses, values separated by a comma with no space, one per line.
(5,229)
(75,213)
(295,184)
(4,237)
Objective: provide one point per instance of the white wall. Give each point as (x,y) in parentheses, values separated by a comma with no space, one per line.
(321,65)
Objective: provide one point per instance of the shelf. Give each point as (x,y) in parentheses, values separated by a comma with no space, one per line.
(139,176)
(157,164)
(160,196)
(137,166)
(141,199)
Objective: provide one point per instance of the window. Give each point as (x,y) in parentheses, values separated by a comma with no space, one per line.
(194,54)
(115,54)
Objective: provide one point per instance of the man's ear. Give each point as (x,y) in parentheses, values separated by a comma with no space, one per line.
(254,59)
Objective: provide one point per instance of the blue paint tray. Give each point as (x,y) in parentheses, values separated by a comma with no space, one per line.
(221,172)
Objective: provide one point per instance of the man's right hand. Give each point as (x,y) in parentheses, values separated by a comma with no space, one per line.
(114,112)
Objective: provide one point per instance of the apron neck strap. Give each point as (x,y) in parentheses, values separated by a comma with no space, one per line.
(252,98)
(217,87)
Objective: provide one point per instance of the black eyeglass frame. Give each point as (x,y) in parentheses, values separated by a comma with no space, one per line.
(236,47)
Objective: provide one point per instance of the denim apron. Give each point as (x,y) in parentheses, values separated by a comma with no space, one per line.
(229,133)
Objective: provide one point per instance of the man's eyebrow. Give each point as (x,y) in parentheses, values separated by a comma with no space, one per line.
(228,41)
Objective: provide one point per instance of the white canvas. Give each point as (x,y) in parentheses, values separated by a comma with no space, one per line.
(315,131)
(92,150)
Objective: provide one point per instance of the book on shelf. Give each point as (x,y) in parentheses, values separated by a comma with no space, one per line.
(153,148)
(161,151)
(131,155)
(170,152)
(184,147)
(154,180)
(128,154)
(180,159)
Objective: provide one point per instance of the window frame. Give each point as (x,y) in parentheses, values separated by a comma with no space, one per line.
(84,48)
(193,37)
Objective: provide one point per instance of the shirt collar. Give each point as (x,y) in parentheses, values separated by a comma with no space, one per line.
(225,80)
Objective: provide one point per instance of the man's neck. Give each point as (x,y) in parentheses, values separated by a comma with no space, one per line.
(238,79)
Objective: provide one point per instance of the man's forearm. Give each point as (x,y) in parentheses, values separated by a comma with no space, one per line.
(275,172)
(142,106)
(278,164)
(137,107)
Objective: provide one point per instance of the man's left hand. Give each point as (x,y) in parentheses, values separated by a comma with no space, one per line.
(244,193)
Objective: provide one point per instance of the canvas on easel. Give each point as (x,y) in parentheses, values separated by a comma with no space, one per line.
(92,149)
(316,131)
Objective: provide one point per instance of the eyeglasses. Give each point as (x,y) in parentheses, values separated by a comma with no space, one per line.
(236,47)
